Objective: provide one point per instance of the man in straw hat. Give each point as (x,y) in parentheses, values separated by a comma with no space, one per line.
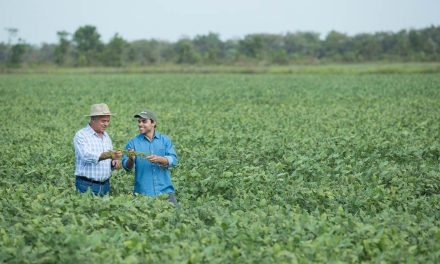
(152,155)
(94,153)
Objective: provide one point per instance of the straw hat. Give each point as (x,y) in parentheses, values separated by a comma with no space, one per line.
(100,110)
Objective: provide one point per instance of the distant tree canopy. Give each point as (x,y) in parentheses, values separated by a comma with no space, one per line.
(88,46)
(85,48)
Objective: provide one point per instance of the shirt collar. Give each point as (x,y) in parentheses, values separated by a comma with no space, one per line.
(156,135)
(93,132)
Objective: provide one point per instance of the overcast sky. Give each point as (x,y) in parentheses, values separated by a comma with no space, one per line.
(39,20)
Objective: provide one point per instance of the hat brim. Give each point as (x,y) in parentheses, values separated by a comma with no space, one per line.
(104,114)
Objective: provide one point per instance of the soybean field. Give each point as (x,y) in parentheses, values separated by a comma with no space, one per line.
(273,168)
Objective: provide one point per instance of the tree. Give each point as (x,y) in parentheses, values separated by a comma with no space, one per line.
(432,43)
(186,52)
(300,45)
(252,46)
(209,47)
(231,50)
(147,51)
(114,51)
(12,32)
(402,47)
(17,52)
(46,53)
(4,51)
(336,46)
(264,47)
(367,47)
(62,49)
(88,46)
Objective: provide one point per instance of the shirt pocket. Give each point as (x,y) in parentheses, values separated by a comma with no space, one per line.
(160,151)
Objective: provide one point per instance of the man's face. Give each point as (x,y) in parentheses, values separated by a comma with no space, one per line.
(100,123)
(145,125)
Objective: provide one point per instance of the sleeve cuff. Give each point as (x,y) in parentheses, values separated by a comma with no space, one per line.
(94,159)
(124,165)
(170,160)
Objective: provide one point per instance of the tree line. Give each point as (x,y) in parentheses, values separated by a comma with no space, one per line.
(85,48)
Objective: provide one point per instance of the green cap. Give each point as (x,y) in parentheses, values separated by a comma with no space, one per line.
(147,114)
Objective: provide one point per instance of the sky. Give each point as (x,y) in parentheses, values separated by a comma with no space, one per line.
(38,21)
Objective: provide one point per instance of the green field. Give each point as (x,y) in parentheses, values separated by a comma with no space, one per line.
(337,168)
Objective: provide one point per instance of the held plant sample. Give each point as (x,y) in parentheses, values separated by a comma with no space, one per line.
(143,155)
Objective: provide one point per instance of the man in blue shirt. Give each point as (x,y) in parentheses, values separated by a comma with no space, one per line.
(94,155)
(152,155)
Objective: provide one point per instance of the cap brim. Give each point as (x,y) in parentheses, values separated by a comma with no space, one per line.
(139,116)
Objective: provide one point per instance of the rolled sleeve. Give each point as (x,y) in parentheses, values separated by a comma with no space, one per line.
(84,151)
(171,154)
(170,160)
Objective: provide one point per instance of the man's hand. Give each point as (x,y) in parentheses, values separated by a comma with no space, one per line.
(111,154)
(116,164)
(130,162)
(158,159)
(116,154)
(131,154)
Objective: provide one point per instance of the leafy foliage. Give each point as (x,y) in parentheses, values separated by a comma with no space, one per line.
(273,169)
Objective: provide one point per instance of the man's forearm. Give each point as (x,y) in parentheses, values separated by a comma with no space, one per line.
(105,155)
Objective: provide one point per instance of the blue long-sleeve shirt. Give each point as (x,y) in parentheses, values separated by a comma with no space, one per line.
(150,178)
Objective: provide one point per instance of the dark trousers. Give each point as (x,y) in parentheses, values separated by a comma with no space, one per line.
(97,188)
(172,198)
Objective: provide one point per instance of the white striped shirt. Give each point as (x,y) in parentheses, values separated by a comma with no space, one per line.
(88,148)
